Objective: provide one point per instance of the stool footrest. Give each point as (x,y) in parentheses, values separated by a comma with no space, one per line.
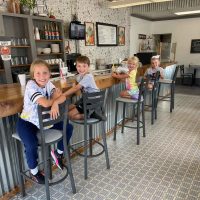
(50,182)
(88,146)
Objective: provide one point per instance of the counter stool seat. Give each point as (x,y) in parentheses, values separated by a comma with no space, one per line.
(92,102)
(51,135)
(167,81)
(140,109)
(46,137)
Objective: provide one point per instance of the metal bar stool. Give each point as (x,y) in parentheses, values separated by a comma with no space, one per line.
(140,109)
(154,95)
(92,102)
(46,137)
(186,76)
(170,82)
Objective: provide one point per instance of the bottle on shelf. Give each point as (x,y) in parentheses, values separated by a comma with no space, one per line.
(49,32)
(46,33)
(57,33)
(52,32)
(37,34)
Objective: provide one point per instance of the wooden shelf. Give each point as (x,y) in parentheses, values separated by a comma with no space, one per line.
(48,40)
(21,65)
(20,46)
(43,54)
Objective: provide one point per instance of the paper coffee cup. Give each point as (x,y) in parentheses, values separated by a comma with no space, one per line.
(22,79)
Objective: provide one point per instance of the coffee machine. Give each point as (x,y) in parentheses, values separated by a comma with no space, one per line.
(71,61)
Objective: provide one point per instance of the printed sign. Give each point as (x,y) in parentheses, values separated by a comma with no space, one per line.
(5,50)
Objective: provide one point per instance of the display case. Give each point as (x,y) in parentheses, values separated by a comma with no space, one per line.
(30,36)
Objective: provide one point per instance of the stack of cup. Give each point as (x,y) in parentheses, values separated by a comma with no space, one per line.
(22,79)
(55,48)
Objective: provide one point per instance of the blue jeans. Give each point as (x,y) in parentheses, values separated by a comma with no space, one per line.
(28,134)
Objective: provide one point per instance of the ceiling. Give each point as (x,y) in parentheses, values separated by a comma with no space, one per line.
(159,11)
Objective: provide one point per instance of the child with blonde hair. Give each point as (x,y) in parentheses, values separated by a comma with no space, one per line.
(132,91)
(40,91)
(151,71)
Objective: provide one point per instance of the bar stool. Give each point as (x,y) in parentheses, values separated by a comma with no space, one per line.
(92,102)
(186,75)
(140,109)
(171,83)
(154,95)
(47,137)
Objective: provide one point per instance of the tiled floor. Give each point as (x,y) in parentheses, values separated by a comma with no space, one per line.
(165,166)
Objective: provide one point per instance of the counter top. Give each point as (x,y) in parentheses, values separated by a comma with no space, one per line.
(11,95)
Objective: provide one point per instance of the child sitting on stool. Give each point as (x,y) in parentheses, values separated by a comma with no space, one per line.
(151,72)
(40,91)
(132,91)
(85,83)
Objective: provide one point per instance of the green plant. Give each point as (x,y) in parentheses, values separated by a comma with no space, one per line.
(29,3)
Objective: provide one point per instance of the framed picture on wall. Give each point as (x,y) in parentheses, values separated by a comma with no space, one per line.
(195,46)
(106,34)
(89,34)
(121,35)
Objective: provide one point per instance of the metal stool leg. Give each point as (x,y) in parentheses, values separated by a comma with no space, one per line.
(171,97)
(152,107)
(173,90)
(66,153)
(49,162)
(44,152)
(90,139)
(133,117)
(85,151)
(115,127)
(20,167)
(105,144)
(143,120)
(138,124)
(123,120)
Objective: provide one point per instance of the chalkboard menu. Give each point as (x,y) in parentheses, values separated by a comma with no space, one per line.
(106,34)
(195,46)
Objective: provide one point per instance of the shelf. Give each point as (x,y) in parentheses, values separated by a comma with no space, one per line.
(20,46)
(21,65)
(49,54)
(48,40)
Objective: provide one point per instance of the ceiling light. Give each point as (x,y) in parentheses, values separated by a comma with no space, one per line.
(188,12)
(157,1)
(129,3)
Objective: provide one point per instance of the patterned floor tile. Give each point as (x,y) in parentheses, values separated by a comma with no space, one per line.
(165,166)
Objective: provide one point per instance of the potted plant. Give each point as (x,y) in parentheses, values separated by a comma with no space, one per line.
(26,6)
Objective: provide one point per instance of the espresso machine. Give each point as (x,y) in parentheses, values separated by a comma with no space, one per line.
(71,61)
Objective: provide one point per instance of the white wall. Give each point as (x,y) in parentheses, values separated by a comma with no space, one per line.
(91,11)
(182,30)
(138,26)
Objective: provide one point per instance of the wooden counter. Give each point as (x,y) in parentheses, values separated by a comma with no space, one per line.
(11,95)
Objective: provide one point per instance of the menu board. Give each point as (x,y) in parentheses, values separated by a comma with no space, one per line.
(106,34)
(195,46)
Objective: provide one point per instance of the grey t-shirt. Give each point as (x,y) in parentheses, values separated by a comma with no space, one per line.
(151,71)
(88,83)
